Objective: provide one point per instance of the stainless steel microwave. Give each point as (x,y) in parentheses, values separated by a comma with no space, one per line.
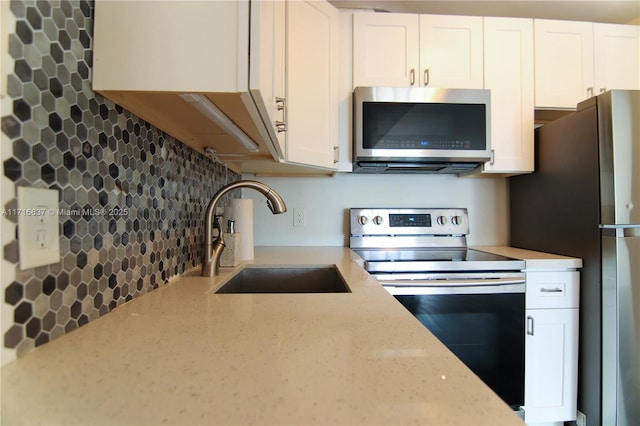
(420,130)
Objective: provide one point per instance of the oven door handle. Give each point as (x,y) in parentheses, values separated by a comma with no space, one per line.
(474,286)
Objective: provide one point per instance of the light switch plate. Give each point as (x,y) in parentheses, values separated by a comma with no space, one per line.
(38,228)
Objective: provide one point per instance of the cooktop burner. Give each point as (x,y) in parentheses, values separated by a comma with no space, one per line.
(426,260)
(425,255)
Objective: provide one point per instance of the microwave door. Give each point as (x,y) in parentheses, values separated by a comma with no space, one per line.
(421,127)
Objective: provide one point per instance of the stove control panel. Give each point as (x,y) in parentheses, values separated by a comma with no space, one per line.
(404,221)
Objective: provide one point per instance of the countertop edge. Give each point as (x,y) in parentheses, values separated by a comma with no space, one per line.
(534,260)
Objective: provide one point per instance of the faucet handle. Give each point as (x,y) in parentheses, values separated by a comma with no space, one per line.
(217,223)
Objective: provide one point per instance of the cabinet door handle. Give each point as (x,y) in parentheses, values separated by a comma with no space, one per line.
(412,76)
(530,325)
(281,126)
(336,154)
(426,76)
(492,160)
(589,92)
(551,290)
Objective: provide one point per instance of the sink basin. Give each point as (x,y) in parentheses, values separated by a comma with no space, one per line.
(286,280)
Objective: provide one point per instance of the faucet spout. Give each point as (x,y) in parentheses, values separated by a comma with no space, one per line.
(213,249)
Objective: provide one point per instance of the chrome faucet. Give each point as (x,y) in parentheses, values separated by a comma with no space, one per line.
(213,250)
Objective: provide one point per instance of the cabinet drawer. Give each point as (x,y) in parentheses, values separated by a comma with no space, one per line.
(552,290)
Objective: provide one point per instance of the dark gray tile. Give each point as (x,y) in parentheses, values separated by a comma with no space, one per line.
(13,336)
(34,18)
(12,169)
(24,31)
(23,312)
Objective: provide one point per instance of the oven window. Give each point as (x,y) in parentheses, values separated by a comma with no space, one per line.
(398,125)
(485,331)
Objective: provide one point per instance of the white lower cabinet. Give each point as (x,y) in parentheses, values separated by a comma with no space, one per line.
(551,347)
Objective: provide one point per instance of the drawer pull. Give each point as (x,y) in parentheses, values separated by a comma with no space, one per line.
(551,290)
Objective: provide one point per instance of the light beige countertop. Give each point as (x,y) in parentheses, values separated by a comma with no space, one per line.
(181,355)
(534,259)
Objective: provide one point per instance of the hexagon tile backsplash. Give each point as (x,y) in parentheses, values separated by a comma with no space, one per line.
(149,189)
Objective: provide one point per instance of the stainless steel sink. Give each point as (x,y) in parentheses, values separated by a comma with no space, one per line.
(286,280)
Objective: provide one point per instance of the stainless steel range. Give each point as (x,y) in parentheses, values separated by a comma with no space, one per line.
(471,300)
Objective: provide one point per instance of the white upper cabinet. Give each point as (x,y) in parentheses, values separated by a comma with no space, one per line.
(385,49)
(236,55)
(616,51)
(147,54)
(451,51)
(564,63)
(395,49)
(312,83)
(576,60)
(508,73)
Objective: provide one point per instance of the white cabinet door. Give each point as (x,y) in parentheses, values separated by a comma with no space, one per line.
(563,63)
(385,49)
(267,67)
(135,41)
(312,82)
(508,73)
(551,368)
(616,57)
(451,51)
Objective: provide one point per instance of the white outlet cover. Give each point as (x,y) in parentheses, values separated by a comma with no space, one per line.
(38,228)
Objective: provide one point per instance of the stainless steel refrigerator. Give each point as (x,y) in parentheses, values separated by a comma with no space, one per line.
(583,200)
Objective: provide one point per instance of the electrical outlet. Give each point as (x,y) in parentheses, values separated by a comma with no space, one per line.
(581,419)
(299,217)
(38,228)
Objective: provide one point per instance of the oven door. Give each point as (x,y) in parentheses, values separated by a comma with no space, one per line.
(481,320)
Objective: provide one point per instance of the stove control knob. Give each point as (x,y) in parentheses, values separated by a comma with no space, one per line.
(378,220)
(456,220)
(441,220)
(363,220)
